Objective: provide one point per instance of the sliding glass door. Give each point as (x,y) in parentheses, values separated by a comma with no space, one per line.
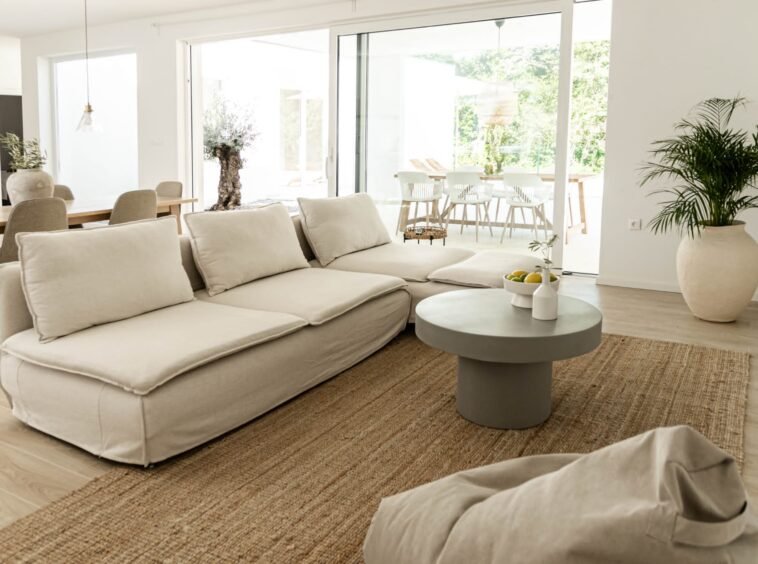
(492,95)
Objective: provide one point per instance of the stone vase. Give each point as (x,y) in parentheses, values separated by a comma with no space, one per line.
(29,184)
(718,271)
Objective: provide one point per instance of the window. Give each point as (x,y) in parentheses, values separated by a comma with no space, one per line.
(101,164)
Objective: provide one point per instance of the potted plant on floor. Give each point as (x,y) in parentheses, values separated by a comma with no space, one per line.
(28,180)
(710,167)
(226,133)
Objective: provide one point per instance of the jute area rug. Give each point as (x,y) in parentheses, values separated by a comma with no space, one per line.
(301,483)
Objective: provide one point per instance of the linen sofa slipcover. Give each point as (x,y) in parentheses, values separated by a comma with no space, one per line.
(141,353)
(668,495)
(203,403)
(317,295)
(412,262)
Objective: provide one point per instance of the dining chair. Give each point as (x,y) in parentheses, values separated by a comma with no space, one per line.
(418,188)
(524,191)
(63,192)
(169,189)
(466,188)
(134,206)
(43,214)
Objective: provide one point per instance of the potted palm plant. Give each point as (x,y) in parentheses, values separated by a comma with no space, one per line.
(28,180)
(710,169)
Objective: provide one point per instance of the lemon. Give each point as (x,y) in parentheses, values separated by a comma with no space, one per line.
(519,273)
(533,278)
(553,277)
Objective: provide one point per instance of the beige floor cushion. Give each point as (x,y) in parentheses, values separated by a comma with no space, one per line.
(317,295)
(668,495)
(234,247)
(484,270)
(83,277)
(337,226)
(141,353)
(410,262)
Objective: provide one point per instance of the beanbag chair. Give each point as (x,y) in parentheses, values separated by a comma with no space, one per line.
(668,495)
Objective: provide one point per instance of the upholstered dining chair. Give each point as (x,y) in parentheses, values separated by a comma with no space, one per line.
(63,192)
(169,189)
(134,206)
(43,214)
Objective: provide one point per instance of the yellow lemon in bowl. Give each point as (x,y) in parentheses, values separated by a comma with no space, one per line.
(518,273)
(533,278)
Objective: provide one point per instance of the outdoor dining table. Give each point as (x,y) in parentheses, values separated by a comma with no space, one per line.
(80,212)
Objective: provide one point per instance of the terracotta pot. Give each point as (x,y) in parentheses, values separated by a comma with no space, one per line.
(29,184)
(718,272)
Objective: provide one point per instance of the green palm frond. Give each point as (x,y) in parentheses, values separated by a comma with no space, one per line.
(709,167)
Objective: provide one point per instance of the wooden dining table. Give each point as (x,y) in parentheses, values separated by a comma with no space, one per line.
(88,211)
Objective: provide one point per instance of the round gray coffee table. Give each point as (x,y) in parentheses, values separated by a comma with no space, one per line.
(505,358)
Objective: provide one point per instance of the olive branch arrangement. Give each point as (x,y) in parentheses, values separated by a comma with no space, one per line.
(545,247)
(24,155)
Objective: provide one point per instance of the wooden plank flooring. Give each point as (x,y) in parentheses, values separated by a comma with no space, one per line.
(36,469)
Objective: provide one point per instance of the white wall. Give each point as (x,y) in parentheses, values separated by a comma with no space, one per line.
(10,66)
(665,57)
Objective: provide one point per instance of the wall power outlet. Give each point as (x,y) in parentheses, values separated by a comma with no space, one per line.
(635,224)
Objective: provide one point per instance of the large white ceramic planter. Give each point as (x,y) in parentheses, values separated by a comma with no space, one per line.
(29,184)
(718,271)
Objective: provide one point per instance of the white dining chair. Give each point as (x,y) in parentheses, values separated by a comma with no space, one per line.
(418,188)
(466,188)
(524,191)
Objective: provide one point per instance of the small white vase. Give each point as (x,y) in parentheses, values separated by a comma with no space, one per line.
(718,271)
(545,299)
(29,184)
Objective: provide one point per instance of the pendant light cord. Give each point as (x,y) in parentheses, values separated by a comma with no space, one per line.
(86,48)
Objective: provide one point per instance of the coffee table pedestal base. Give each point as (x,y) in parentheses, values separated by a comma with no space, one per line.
(503,395)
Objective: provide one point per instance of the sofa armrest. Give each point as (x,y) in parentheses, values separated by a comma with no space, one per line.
(14,313)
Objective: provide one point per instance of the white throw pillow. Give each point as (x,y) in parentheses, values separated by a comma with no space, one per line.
(338,226)
(79,278)
(235,247)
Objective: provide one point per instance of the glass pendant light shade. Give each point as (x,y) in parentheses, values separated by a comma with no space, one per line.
(87,123)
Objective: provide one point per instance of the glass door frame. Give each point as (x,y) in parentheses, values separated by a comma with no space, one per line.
(456,16)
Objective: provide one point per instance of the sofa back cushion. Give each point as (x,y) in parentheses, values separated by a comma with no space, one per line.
(85,277)
(338,226)
(235,247)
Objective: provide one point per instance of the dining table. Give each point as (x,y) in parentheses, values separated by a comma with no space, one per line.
(573,178)
(90,211)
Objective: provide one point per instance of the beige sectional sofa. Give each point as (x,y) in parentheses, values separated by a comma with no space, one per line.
(142,386)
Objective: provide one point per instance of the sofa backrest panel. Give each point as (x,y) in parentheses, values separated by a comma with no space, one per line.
(307,251)
(14,313)
(194,274)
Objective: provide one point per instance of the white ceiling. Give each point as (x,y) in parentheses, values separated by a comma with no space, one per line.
(33,17)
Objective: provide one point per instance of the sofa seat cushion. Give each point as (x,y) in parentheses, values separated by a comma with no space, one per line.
(141,353)
(407,261)
(317,295)
(483,270)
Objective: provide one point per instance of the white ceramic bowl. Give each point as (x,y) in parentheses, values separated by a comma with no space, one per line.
(522,292)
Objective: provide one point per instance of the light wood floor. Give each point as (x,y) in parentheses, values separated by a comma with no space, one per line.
(36,469)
